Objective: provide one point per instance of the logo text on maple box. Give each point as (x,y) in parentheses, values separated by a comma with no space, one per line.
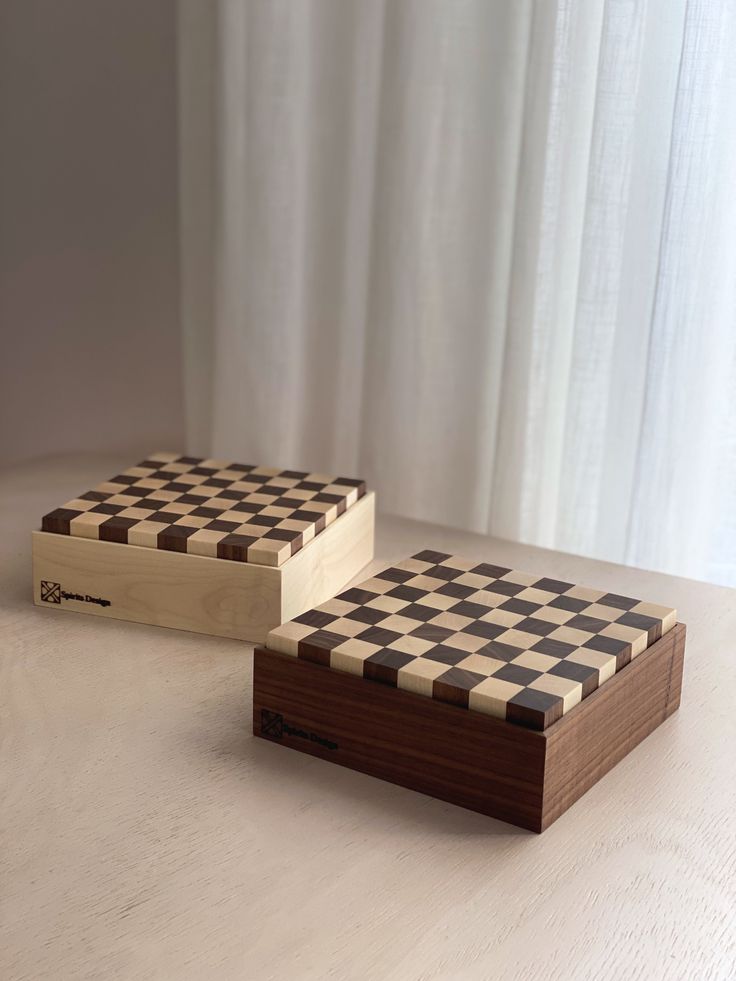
(275,726)
(51,592)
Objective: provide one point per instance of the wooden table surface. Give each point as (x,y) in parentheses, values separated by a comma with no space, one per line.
(146,835)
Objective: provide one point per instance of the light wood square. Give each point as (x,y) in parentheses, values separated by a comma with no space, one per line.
(269,551)
(87,525)
(520,578)
(228,475)
(234,518)
(425,582)
(176,507)
(412,645)
(414,565)
(480,664)
(458,562)
(472,580)
(451,621)
(390,604)
(605,663)
(552,614)
(487,597)
(568,690)
(418,676)
(637,638)
(79,505)
(325,507)
(254,531)
(203,542)
(518,638)
(379,586)
(264,499)
(351,655)
(536,661)
(492,695)
(569,635)
(402,625)
(667,615)
(345,627)
(293,524)
(164,495)
(505,618)
(122,500)
(465,642)
(349,493)
(192,478)
(437,601)
(192,521)
(145,533)
(219,504)
(532,595)
(296,492)
(203,492)
(285,638)
(276,512)
(337,607)
(607,613)
(147,483)
(585,593)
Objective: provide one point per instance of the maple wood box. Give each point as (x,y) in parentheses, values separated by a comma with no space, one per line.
(219,548)
(450,707)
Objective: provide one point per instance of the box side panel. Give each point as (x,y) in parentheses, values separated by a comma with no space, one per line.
(598,733)
(463,757)
(169,589)
(328,563)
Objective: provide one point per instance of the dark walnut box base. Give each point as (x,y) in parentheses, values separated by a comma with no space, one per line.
(488,765)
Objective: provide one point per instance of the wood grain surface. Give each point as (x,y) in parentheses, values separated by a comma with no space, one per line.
(489,765)
(146,834)
(584,745)
(468,758)
(240,600)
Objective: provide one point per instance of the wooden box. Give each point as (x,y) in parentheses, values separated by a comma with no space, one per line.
(219,548)
(500,691)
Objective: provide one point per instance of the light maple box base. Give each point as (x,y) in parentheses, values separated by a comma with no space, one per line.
(528,778)
(195,592)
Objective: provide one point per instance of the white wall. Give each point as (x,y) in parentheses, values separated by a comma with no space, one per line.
(90,351)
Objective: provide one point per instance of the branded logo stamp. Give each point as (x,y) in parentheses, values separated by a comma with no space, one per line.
(50,591)
(274,726)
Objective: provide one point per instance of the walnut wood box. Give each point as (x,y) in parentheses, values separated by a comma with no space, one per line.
(497,690)
(485,764)
(157,582)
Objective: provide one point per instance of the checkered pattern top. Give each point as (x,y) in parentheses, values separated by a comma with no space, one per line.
(208,507)
(512,645)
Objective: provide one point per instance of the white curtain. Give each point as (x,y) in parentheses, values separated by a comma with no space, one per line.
(481,252)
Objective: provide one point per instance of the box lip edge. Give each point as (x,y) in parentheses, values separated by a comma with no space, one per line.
(551,732)
(210,558)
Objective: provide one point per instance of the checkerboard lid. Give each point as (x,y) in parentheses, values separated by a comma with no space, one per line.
(515,645)
(232,511)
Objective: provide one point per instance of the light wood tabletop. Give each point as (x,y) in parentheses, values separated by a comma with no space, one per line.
(147,835)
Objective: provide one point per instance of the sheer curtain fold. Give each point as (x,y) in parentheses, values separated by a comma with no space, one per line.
(480,252)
